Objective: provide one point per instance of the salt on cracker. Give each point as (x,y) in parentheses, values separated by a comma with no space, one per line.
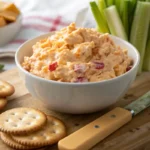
(6,89)
(52,132)
(3,102)
(7,139)
(21,120)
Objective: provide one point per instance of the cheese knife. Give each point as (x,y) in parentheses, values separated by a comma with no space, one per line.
(89,135)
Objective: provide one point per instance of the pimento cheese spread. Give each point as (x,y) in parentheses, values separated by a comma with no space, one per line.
(77,55)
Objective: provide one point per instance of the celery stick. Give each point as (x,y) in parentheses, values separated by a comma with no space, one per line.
(118,3)
(101,5)
(139,29)
(134,3)
(146,63)
(101,25)
(132,7)
(114,22)
(121,7)
(125,15)
(109,2)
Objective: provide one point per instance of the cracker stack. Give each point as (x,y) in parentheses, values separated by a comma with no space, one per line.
(28,128)
(6,89)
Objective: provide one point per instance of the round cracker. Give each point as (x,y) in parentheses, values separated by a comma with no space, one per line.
(3,102)
(7,139)
(6,89)
(51,133)
(21,120)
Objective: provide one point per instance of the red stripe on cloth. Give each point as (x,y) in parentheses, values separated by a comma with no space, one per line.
(55,23)
(18,41)
(47,19)
(37,27)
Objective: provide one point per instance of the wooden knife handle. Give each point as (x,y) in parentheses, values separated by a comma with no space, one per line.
(94,132)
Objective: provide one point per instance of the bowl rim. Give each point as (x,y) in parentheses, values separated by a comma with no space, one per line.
(19,18)
(136,63)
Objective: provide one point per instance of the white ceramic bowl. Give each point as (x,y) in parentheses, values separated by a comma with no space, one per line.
(77,98)
(8,32)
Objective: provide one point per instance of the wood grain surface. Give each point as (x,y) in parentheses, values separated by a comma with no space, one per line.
(133,136)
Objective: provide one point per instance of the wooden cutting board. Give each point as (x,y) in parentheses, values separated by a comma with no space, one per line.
(133,136)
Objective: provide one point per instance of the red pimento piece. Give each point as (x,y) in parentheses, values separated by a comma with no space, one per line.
(53,66)
(81,79)
(79,68)
(128,68)
(99,65)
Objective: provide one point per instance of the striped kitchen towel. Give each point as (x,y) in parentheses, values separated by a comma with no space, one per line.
(32,26)
(40,17)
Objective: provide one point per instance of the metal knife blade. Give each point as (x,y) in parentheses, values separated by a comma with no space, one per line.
(140,104)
